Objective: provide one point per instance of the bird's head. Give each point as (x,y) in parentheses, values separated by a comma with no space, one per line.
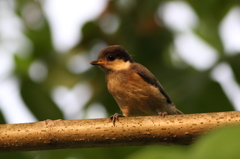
(113,58)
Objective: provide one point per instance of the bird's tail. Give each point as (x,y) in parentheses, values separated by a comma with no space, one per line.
(175,110)
(178,111)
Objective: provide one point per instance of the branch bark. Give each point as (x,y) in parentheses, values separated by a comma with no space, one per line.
(149,130)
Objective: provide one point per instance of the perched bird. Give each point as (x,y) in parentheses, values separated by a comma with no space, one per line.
(133,86)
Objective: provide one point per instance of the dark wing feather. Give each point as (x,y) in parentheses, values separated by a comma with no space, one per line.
(150,78)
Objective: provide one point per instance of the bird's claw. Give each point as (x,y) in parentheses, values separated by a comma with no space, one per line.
(163,114)
(115,117)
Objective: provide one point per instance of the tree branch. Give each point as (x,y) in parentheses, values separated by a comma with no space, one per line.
(149,130)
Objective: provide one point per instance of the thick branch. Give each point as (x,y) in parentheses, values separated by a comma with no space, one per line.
(60,134)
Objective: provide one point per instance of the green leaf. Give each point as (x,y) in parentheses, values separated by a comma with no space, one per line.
(38,101)
(2,120)
(160,152)
(221,144)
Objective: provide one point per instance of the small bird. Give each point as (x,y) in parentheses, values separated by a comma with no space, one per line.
(133,86)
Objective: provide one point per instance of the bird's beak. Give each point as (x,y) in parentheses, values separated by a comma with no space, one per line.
(97,63)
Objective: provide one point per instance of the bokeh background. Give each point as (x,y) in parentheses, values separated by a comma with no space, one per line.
(192,47)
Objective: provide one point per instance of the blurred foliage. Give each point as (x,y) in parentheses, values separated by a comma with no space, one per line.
(148,40)
(220,144)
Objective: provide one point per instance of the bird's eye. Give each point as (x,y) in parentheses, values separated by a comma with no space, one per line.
(111,58)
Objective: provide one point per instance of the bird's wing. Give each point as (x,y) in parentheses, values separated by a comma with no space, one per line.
(150,78)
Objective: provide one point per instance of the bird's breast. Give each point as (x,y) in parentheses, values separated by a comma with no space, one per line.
(133,95)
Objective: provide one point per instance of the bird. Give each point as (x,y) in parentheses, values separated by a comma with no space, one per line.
(135,89)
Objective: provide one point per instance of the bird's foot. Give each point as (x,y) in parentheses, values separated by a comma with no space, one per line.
(115,117)
(163,114)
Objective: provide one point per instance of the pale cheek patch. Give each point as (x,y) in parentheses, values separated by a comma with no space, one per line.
(117,65)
